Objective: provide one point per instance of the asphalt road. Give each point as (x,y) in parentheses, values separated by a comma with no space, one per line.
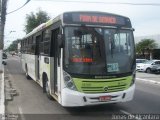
(32,103)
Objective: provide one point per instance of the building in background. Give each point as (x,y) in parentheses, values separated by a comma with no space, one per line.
(18,47)
(155,54)
(154,37)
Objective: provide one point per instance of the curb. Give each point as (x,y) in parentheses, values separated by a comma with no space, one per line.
(2,100)
(150,81)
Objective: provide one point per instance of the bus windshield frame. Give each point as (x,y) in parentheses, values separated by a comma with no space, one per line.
(100,53)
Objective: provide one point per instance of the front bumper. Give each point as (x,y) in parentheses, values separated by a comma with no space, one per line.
(72,98)
(141,69)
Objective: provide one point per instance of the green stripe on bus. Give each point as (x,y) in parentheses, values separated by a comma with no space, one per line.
(102,85)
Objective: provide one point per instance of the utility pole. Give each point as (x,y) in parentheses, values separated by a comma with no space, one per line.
(3,8)
(1,42)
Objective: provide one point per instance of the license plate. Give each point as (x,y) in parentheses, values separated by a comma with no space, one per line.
(105,98)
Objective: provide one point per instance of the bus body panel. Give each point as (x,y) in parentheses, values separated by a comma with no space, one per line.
(72,98)
(44,68)
(29,62)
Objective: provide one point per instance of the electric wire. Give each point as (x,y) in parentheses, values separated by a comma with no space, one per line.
(19,7)
(114,3)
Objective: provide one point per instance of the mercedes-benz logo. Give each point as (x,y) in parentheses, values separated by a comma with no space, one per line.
(105,88)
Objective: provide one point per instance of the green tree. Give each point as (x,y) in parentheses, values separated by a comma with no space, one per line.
(34,20)
(145,46)
(13,45)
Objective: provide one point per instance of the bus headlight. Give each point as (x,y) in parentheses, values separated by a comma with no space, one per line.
(133,78)
(68,81)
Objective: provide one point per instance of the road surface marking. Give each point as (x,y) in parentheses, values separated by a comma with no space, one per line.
(21,113)
(130,116)
(148,80)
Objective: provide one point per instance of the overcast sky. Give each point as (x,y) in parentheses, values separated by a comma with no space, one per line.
(145,19)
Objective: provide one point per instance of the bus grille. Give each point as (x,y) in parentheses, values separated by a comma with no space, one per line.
(102,85)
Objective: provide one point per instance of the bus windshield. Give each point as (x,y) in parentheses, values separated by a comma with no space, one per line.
(98,51)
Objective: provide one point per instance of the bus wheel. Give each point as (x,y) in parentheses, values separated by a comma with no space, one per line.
(27,76)
(47,89)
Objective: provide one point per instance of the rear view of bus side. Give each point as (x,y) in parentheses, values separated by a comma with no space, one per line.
(82,58)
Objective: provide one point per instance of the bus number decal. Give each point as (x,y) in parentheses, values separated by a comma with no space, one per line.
(113,67)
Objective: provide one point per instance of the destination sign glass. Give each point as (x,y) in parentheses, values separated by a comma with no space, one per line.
(96,18)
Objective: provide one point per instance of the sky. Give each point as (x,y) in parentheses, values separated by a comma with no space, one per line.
(145,19)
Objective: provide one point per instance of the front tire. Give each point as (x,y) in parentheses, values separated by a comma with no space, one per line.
(47,89)
(27,76)
(148,70)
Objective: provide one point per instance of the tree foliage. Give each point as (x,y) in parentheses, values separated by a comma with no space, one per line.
(34,20)
(145,46)
(13,45)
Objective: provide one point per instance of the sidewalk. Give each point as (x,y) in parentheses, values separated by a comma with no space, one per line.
(2,101)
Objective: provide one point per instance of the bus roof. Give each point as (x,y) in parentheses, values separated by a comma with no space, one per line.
(85,17)
(43,25)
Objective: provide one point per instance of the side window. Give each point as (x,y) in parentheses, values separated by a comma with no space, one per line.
(157,62)
(41,44)
(25,46)
(54,49)
(45,42)
(41,48)
(28,45)
(21,50)
(37,44)
(32,46)
(46,47)
(46,35)
(27,50)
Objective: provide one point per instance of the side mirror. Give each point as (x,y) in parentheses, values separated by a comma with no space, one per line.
(60,40)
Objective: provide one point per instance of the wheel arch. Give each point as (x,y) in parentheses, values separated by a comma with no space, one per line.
(44,76)
(26,67)
(147,69)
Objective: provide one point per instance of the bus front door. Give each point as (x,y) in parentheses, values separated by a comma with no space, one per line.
(37,57)
(55,68)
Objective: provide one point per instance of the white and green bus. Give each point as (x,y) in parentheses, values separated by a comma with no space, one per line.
(82,58)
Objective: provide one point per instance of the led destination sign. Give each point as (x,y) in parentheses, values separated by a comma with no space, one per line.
(96,18)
